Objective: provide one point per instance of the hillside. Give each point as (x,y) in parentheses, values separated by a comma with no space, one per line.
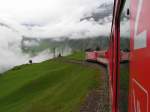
(62,45)
(50,86)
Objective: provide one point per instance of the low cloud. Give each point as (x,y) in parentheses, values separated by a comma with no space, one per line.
(57,18)
(46,19)
(81,29)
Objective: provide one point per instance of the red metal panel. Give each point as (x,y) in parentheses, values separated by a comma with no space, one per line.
(140,57)
(102,57)
(93,55)
(114,58)
(114,68)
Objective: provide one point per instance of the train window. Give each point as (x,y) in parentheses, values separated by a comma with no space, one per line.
(124,56)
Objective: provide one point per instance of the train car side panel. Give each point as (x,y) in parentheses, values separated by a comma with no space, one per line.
(140,57)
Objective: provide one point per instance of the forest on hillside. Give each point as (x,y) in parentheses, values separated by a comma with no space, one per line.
(35,45)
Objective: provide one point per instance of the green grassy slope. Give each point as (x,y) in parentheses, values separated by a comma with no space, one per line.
(50,86)
(77,56)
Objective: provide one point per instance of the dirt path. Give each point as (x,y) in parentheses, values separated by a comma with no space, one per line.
(97,100)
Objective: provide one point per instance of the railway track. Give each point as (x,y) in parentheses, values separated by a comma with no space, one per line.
(97,100)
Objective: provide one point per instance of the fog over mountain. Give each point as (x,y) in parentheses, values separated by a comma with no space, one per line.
(57,19)
(102,12)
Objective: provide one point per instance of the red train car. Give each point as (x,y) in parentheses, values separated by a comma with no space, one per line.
(102,57)
(91,55)
(131,20)
(97,56)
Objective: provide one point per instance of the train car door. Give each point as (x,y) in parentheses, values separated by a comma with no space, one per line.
(114,60)
(119,46)
(113,72)
(139,97)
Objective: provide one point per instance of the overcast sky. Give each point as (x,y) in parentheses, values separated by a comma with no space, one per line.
(53,18)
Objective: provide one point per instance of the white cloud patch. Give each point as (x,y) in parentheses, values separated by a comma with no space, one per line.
(10,52)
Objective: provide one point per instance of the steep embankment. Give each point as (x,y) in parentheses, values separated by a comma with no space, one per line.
(50,86)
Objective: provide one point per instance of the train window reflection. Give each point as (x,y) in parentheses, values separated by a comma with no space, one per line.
(124,56)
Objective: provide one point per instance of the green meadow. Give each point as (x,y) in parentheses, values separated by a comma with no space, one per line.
(50,86)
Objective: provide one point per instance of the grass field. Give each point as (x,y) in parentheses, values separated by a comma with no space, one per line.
(50,86)
(77,56)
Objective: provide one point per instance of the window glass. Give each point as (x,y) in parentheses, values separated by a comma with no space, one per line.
(124,51)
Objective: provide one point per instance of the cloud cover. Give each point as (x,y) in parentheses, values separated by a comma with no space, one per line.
(55,18)
(42,19)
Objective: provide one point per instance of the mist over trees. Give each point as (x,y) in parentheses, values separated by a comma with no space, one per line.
(34,45)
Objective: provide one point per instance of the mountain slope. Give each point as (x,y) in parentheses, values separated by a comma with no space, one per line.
(51,86)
